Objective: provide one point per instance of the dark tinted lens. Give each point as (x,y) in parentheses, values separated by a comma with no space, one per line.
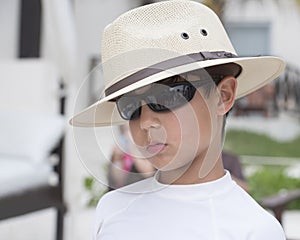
(171,97)
(128,107)
(161,97)
(136,114)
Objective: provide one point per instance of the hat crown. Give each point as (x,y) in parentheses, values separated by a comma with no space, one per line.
(178,26)
(160,25)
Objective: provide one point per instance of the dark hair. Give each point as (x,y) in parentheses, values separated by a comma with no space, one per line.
(215,75)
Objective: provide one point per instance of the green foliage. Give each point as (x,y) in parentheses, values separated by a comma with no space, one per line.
(253,144)
(88,183)
(95,190)
(269,181)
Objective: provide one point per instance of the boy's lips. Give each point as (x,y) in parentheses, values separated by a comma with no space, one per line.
(156,148)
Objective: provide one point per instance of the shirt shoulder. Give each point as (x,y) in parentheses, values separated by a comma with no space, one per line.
(268,228)
(263,224)
(117,201)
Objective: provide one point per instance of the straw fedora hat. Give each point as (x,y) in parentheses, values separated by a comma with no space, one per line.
(163,39)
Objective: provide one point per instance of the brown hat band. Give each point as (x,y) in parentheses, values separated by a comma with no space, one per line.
(165,65)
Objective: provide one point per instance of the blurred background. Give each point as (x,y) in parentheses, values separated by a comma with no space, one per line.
(48,49)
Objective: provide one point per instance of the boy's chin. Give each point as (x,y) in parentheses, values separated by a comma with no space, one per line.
(178,168)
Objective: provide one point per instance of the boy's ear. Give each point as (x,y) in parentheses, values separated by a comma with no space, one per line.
(227,90)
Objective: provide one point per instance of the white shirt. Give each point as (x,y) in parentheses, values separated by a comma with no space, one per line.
(208,211)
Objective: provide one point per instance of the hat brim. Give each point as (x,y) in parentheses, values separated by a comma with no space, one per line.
(256,72)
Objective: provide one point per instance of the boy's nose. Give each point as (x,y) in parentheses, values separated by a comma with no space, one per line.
(148,118)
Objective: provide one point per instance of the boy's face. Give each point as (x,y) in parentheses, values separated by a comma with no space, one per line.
(172,140)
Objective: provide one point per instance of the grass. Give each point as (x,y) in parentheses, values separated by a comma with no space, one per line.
(272,180)
(269,180)
(253,144)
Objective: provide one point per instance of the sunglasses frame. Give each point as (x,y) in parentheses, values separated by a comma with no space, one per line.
(156,90)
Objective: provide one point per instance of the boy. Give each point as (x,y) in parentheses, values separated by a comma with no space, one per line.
(172,74)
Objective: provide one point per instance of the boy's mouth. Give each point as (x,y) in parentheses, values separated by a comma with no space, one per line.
(156,148)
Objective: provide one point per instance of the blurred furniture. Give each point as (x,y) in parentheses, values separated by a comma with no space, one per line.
(259,102)
(288,90)
(277,203)
(31,139)
(281,96)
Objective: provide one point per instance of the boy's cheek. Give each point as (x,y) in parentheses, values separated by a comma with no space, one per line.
(135,132)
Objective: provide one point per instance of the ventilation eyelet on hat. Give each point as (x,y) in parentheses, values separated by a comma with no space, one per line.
(184,35)
(203,32)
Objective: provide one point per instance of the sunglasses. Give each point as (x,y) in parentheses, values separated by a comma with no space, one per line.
(163,96)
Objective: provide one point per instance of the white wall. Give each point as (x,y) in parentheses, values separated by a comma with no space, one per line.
(284,17)
(9,27)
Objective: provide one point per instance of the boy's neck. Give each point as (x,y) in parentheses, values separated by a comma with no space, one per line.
(190,174)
